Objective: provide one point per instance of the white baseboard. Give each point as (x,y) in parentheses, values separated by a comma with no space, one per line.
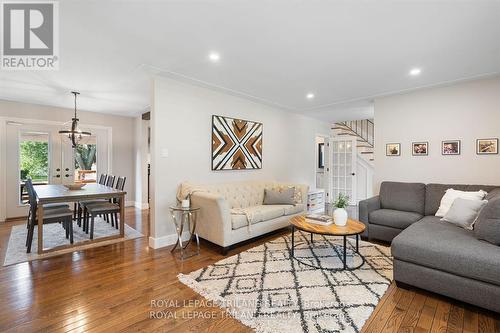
(167,240)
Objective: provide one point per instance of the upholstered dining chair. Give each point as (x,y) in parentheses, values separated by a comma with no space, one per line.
(110,209)
(59,215)
(29,183)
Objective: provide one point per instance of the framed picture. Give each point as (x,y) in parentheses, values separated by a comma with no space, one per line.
(420,148)
(450,147)
(236,144)
(393,149)
(487,146)
(321,155)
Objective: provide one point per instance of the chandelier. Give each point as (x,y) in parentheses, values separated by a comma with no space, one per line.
(75,134)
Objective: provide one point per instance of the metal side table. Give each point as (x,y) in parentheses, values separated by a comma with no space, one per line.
(185,216)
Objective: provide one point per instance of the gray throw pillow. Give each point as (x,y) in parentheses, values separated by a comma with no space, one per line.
(487,226)
(463,212)
(284,197)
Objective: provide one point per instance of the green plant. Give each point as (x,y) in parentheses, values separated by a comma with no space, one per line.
(342,201)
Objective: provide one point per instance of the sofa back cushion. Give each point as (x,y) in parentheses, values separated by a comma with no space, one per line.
(487,226)
(408,197)
(435,192)
(247,193)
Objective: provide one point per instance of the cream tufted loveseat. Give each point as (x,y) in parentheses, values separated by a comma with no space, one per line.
(233,212)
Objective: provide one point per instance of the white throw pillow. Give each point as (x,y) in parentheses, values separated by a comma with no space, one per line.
(464,212)
(452,194)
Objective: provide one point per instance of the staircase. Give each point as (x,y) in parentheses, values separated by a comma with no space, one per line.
(363,131)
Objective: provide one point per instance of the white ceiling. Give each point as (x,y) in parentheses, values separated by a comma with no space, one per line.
(346,52)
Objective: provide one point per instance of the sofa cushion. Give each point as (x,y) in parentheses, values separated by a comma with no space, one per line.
(394,218)
(255,214)
(463,212)
(435,192)
(446,247)
(487,226)
(279,197)
(293,209)
(452,194)
(408,197)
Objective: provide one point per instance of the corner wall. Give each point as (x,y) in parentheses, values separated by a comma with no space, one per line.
(465,111)
(181,145)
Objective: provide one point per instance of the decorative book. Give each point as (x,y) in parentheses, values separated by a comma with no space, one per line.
(319,219)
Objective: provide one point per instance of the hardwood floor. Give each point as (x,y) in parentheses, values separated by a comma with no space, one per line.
(111,289)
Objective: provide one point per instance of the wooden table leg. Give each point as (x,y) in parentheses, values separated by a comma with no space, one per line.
(122,216)
(40,228)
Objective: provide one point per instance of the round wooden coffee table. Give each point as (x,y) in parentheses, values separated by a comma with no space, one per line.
(352,228)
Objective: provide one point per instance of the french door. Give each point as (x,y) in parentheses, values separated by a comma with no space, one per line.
(342,176)
(39,152)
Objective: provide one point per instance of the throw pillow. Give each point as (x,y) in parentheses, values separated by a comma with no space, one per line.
(487,226)
(452,194)
(297,196)
(463,212)
(285,197)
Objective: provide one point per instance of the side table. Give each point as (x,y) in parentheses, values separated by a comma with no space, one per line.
(182,216)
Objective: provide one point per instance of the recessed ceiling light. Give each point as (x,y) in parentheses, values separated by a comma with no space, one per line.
(415,71)
(310,96)
(214,57)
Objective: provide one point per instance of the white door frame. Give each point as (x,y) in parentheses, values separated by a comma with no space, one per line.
(3,151)
(354,153)
(326,139)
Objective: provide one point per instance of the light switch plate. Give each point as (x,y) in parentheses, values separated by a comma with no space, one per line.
(164,152)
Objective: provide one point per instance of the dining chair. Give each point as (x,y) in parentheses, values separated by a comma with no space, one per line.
(29,182)
(59,215)
(78,210)
(109,208)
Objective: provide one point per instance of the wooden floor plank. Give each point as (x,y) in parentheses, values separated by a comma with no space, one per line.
(110,288)
(424,324)
(399,312)
(471,321)
(456,319)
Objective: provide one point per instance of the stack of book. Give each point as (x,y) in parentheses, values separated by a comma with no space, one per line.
(319,219)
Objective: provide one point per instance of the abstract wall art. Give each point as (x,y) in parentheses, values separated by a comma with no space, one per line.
(236,144)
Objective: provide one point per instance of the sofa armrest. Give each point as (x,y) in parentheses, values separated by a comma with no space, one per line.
(214,220)
(365,208)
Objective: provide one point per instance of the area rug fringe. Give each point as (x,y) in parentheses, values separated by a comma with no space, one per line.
(216,299)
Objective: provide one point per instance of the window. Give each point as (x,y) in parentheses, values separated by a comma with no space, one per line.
(33,160)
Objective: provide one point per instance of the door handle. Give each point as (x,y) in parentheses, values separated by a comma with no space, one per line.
(353,174)
(67,169)
(57,176)
(66,175)
(58,169)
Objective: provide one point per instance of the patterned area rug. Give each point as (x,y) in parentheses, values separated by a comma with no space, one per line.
(269,291)
(54,235)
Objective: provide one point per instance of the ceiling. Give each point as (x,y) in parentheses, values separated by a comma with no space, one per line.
(274,52)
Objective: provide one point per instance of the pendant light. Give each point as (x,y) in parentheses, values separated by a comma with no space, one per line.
(75,135)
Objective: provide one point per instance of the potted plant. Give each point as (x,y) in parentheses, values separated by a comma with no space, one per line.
(340,214)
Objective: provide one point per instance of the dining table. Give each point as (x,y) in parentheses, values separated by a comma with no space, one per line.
(58,193)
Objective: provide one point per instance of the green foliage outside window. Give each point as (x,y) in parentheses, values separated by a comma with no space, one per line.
(34,160)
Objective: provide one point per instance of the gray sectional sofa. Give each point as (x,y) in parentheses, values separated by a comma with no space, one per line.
(435,255)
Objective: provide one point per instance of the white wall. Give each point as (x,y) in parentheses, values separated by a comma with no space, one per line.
(141,162)
(181,123)
(123,158)
(466,111)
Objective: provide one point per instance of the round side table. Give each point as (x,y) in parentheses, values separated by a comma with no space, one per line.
(185,216)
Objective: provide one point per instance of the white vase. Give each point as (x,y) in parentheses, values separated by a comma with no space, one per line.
(340,216)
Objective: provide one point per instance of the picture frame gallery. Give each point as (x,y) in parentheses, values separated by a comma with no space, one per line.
(487,146)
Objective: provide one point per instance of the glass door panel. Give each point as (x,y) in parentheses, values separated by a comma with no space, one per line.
(343,167)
